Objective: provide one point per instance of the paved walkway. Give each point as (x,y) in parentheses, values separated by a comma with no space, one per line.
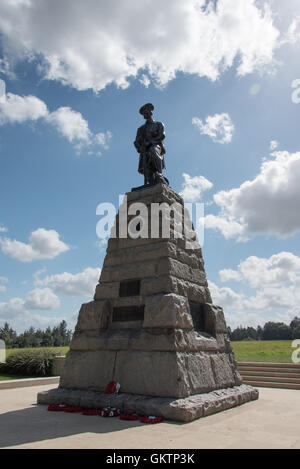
(271,422)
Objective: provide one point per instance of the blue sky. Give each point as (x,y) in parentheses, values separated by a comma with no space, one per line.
(220,79)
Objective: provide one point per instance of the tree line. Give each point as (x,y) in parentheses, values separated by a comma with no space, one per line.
(270,331)
(51,337)
(60,335)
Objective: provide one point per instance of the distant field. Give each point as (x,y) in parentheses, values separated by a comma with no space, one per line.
(275,351)
(60,350)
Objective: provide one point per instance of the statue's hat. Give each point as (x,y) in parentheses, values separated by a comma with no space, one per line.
(146,107)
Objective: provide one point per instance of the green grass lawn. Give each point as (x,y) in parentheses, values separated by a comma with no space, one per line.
(60,350)
(274,351)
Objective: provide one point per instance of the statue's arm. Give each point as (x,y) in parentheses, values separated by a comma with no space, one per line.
(138,143)
(159,134)
(162,131)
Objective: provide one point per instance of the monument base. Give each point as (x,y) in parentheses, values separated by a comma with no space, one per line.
(182,410)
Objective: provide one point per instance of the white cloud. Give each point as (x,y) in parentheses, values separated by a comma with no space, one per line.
(226,275)
(20,319)
(145,80)
(3,229)
(292,36)
(37,274)
(95,43)
(229,227)
(275,296)
(268,204)
(5,69)
(42,298)
(43,244)
(218,127)
(81,284)
(38,321)
(267,304)
(193,187)
(274,144)
(12,308)
(233,304)
(18,311)
(226,297)
(279,269)
(102,138)
(19,109)
(70,124)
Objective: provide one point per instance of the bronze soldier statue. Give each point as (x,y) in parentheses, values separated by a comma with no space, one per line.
(149,144)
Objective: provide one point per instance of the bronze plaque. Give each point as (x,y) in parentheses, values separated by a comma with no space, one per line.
(130,288)
(128,313)
(197,313)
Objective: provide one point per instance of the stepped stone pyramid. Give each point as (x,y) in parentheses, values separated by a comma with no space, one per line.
(152,326)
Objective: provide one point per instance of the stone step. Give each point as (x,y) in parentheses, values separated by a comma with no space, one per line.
(271,375)
(267,384)
(23,383)
(271,379)
(269,370)
(277,374)
(182,410)
(269,365)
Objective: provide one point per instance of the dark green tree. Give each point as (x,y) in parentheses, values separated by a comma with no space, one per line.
(276,331)
(8,335)
(296,332)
